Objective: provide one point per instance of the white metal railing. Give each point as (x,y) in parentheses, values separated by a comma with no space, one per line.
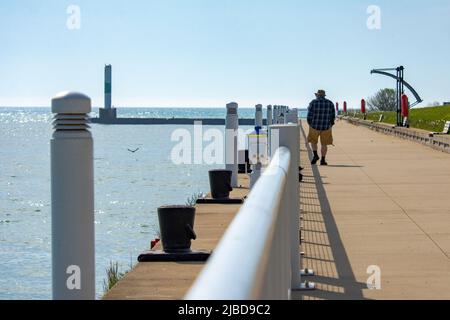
(258,256)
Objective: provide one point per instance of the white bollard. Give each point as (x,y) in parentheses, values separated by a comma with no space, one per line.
(288,136)
(294,115)
(286,118)
(269,116)
(285,111)
(282,115)
(231,142)
(275,115)
(291,116)
(258,116)
(280,111)
(108,86)
(72,189)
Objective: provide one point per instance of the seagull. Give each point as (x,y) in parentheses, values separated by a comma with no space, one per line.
(133,151)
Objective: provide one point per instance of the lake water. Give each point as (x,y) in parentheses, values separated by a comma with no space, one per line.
(128,189)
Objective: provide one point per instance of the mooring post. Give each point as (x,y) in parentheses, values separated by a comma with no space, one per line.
(72,194)
(231,142)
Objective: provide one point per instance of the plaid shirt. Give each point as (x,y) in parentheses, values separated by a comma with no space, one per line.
(321,114)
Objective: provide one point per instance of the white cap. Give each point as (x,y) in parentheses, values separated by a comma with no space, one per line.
(71,103)
(232,105)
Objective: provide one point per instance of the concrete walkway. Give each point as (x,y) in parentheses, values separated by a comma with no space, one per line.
(384,202)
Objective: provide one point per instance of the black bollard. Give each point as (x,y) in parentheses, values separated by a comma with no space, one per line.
(176,224)
(220,183)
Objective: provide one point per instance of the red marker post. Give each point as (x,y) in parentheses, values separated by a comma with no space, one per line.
(405,106)
(405,110)
(337,107)
(363,108)
(345,107)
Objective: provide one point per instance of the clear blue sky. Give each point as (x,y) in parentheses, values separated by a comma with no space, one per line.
(205,53)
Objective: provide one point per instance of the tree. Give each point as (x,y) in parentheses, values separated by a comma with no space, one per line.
(434,104)
(383,100)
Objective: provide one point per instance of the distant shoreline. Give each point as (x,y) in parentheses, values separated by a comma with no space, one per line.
(141,108)
(170,121)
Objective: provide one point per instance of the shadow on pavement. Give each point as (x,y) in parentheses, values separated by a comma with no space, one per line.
(323,246)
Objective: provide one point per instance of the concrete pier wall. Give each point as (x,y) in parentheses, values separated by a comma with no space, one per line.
(435,141)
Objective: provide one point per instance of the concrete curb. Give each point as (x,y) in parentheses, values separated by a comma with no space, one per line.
(441,143)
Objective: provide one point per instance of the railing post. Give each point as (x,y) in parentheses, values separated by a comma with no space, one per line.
(72,189)
(288,135)
(286,252)
(231,142)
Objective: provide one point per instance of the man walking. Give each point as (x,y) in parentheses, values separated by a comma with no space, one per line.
(321,116)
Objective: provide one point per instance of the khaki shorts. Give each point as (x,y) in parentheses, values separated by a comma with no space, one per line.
(326,137)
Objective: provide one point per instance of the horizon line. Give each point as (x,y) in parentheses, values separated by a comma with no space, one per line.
(133,107)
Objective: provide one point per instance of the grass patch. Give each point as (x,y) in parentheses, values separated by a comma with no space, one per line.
(113,276)
(192,200)
(430,119)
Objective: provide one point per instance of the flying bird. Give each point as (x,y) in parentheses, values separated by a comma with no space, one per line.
(133,151)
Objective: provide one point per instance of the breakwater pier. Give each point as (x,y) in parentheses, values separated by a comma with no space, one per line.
(167,121)
(108,114)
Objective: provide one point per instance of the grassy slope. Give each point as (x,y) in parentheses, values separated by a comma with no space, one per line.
(431,119)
